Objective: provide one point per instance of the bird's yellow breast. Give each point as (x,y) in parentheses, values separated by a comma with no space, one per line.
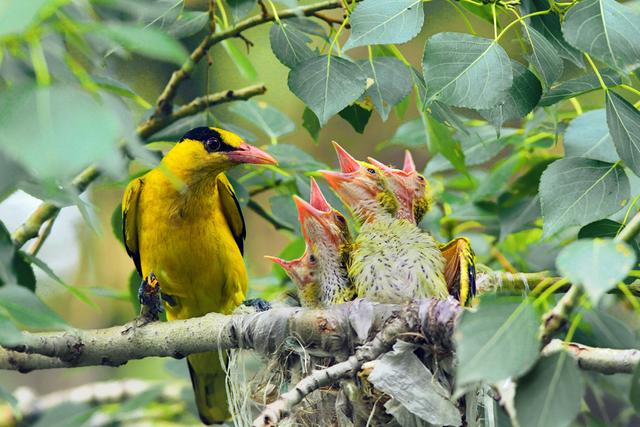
(186,241)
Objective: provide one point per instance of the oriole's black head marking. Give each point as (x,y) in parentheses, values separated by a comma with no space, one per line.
(212,140)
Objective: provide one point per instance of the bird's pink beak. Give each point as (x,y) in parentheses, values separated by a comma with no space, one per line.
(246,153)
(409,165)
(317,199)
(348,166)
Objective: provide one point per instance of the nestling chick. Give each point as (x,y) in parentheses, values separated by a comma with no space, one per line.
(392,260)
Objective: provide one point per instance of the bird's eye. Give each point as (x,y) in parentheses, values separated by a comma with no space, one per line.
(420,178)
(312,259)
(212,145)
(371,171)
(341,218)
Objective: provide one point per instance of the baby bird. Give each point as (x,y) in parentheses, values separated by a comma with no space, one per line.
(321,272)
(414,200)
(392,260)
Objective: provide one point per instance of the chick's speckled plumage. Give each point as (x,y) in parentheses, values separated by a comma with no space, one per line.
(392,260)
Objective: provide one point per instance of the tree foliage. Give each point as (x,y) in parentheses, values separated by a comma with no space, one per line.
(530,119)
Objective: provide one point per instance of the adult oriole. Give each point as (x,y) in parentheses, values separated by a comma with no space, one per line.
(191,236)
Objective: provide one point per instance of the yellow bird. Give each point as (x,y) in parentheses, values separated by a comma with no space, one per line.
(182,222)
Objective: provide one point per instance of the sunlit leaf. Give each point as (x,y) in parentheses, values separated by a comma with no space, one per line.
(578,191)
(26,308)
(597,264)
(241,60)
(327,84)
(588,136)
(466,71)
(485,340)
(607,30)
(384,22)
(550,395)
(623,120)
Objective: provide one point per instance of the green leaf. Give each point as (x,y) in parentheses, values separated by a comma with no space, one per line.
(411,134)
(241,60)
(66,414)
(116,223)
(268,118)
(311,124)
(284,210)
(385,22)
(11,174)
(519,100)
(607,30)
(23,271)
(441,141)
(146,41)
(466,71)
(240,8)
(550,395)
(485,340)
(188,24)
(14,269)
(549,26)
(60,120)
(623,120)
(392,83)
(588,136)
(308,26)
(608,332)
(578,191)
(479,145)
(519,216)
(579,86)
(597,264)
(289,44)
(327,84)
(10,335)
(543,56)
(357,116)
(26,308)
(294,158)
(133,284)
(79,294)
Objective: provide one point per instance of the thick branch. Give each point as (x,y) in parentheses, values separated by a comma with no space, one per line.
(321,332)
(631,230)
(163,106)
(603,360)
(154,124)
(557,317)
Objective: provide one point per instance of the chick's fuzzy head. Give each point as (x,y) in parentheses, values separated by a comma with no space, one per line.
(303,273)
(410,188)
(205,150)
(361,187)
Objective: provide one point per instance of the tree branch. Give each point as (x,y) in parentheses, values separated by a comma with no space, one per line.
(631,230)
(154,124)
(557,317)
(321,332)
(603,360)
(165,100)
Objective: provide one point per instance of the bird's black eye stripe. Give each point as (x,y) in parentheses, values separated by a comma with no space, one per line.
(211,139)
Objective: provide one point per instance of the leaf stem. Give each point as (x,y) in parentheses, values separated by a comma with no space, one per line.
(595,70)
(464,17)
(631,230)
(520,19)
(495,21)
(39,62)
(630,89)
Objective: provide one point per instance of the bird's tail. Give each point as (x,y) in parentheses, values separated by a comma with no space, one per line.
(208,378)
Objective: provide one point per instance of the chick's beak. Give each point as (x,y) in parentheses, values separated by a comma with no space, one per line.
(347,163)
(409,164)
(246,153)
(314,219)
(317,199)
(288,266)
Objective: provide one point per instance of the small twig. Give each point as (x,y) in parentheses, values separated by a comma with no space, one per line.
(330,19)
(557,317)
(631,230)
(504,262)
(31,227)
(37,245)
(263,9)
(255,206)
(154,124)
(602,360)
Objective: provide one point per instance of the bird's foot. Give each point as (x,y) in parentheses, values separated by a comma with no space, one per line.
(150,299)
(258,303)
